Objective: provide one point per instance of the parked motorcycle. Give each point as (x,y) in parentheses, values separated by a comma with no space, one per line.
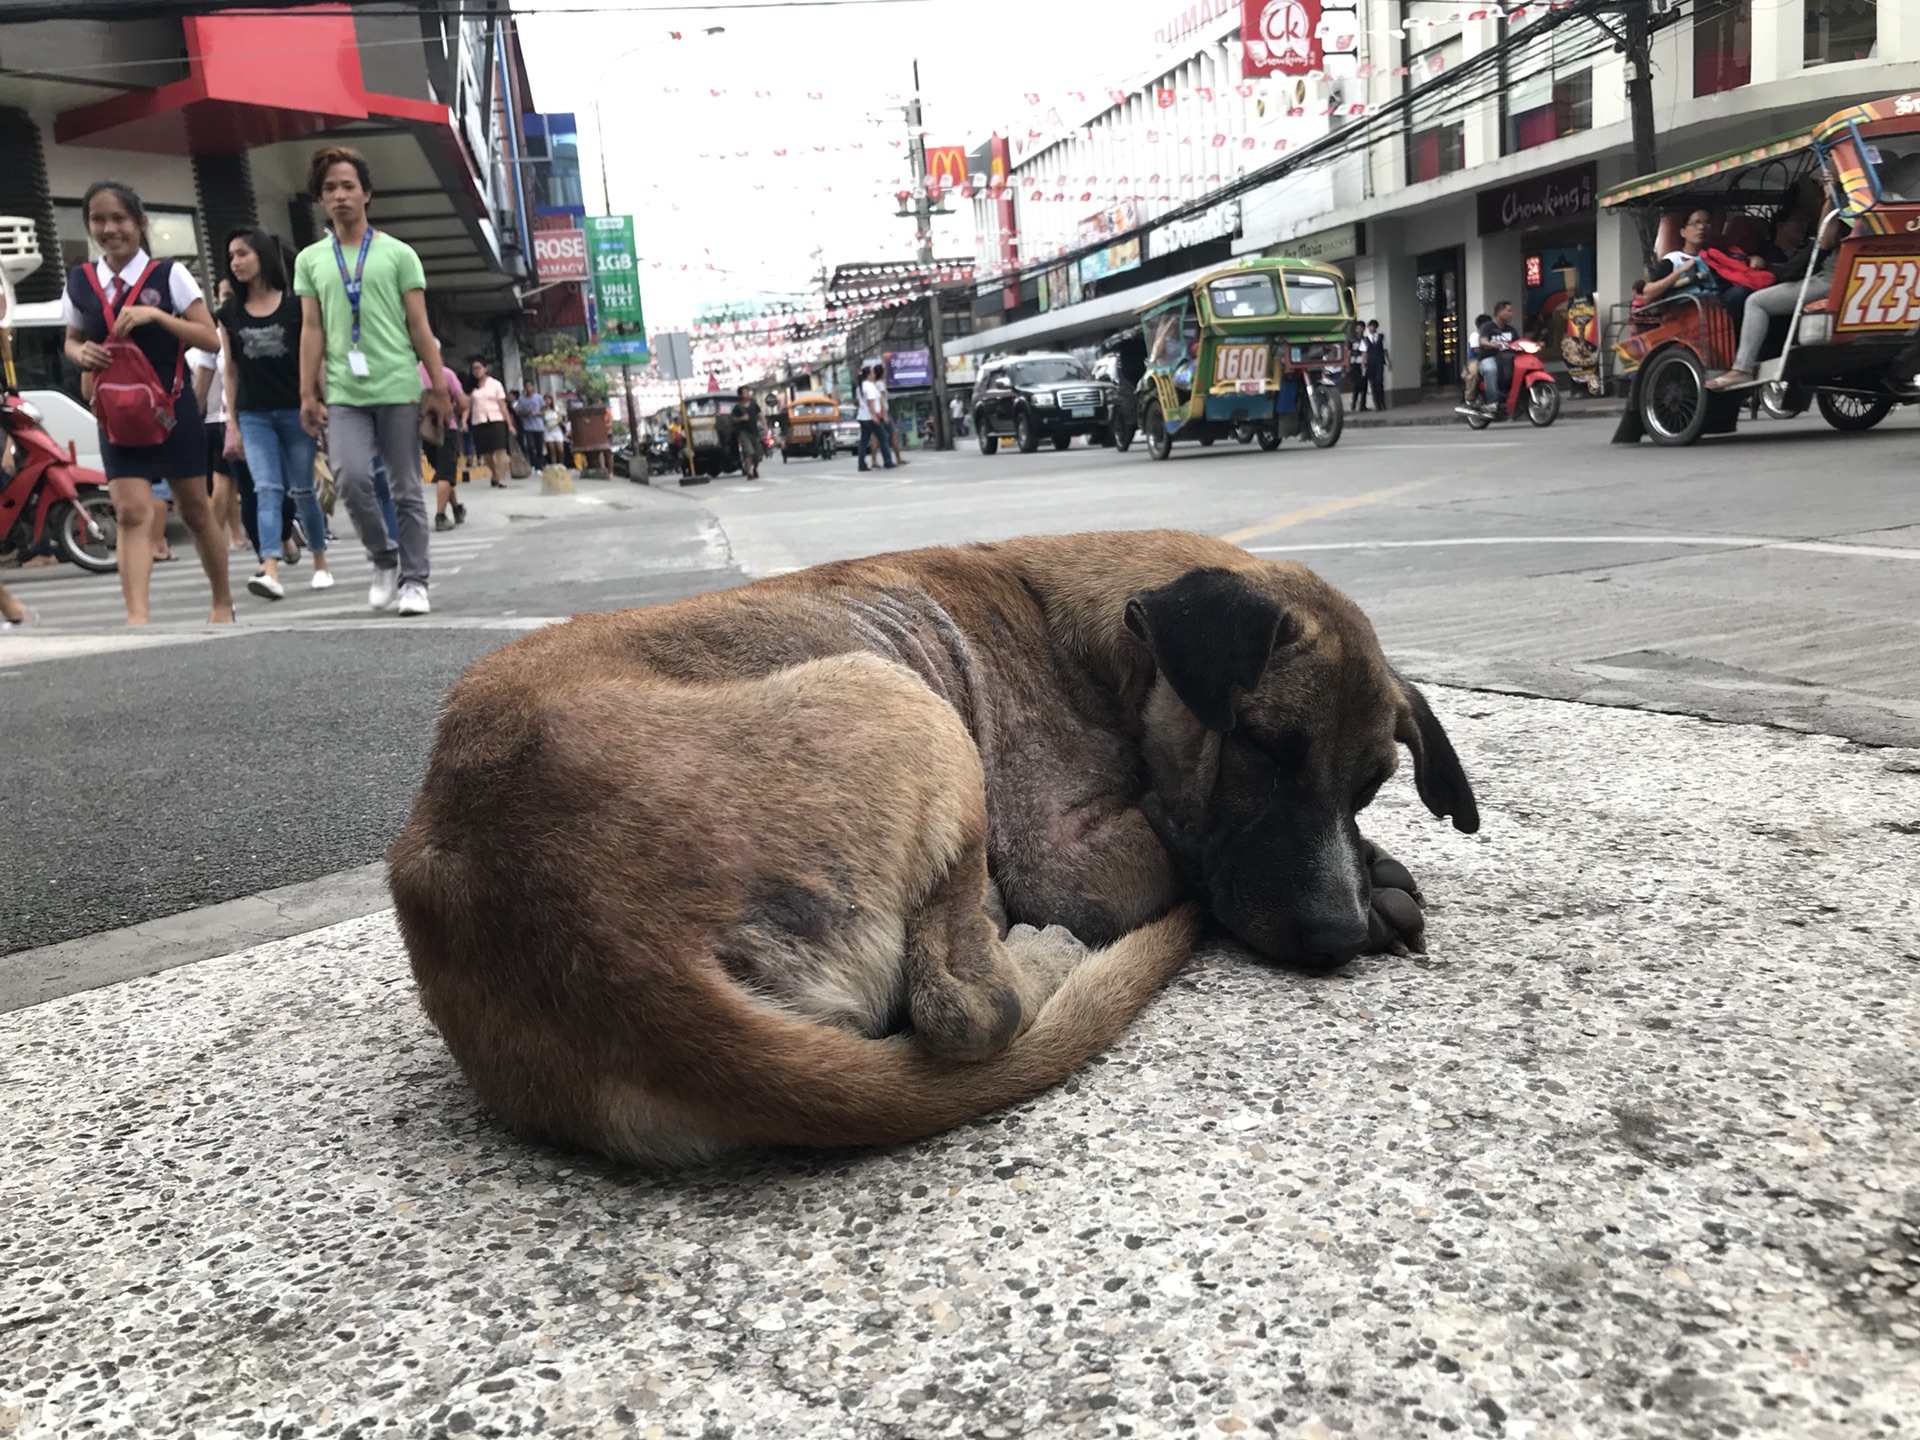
(51,496)
(1531,380)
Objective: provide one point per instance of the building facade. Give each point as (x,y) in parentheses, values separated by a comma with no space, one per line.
(1448,156)
(212,119)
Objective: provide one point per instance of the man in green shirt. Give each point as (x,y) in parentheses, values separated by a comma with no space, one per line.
(364,325)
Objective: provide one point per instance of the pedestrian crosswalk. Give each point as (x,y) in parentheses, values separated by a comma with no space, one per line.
(68,599)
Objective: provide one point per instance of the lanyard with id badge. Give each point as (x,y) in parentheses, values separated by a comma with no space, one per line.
(356,358)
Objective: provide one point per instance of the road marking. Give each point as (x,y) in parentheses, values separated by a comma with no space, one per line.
(1315,512)
(1721,542)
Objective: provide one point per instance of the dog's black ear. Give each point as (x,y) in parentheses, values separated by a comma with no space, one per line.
(1209,631)
(1437,773)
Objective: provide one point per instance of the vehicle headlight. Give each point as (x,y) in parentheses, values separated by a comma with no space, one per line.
(1045,398)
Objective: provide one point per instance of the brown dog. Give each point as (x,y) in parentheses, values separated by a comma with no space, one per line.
(740,868)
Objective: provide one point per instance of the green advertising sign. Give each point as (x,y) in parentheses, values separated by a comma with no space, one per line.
(616,268)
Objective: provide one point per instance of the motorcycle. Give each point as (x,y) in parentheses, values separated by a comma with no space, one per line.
(51,496)
(1532,379)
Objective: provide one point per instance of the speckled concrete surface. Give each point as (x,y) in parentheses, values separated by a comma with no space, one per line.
(1632,1153)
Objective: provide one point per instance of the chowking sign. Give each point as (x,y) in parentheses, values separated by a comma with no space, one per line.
(1538,200)
(1279,37)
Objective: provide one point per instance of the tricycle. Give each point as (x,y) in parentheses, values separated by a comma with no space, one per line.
(808,427)
(1849,191)
(1237,353)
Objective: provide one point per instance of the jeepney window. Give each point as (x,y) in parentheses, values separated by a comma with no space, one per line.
(1896,165)
(1173,337)
(1313,295)
(1243,297)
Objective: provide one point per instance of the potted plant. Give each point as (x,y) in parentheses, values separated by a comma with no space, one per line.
(569,358)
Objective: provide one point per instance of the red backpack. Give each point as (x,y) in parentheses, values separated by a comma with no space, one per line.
(132,407)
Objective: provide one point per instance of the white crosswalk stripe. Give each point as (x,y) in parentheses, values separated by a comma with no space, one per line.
(71,599)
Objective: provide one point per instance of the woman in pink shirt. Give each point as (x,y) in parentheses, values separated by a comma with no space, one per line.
(491,415)
(445,457)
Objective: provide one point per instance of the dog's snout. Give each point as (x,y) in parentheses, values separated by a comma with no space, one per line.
(1334,941)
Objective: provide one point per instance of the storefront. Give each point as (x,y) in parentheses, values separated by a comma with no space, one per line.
(1551,217)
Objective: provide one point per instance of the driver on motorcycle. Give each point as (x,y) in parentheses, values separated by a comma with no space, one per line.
(1490,348)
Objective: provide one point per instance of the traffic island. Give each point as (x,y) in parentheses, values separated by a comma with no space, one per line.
(1630,1152)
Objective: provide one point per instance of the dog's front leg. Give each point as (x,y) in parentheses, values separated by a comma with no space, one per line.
(1396,923)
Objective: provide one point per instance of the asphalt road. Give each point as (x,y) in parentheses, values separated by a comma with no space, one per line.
(1772,576)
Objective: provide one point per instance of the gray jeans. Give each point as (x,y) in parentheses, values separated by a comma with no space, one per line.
(353,434)
(1762,306)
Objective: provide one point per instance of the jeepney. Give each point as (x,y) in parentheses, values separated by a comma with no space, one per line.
(1860,167)
(1239,352)
(809,426)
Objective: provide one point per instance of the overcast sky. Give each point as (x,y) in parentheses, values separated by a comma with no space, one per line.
(977,60)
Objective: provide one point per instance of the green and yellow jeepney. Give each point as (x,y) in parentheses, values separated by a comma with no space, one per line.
(1240,352)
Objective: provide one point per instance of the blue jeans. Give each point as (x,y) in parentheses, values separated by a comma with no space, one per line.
(1492,391)
(280,458)
(871,430)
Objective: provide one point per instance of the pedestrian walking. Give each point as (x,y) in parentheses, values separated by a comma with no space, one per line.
(490,417)
(957,413)
(444,454)
(870,409)
(130,320)
(530,409)
(555,430)
(1378,363)
(260,331)
(1357,367)
(363,334)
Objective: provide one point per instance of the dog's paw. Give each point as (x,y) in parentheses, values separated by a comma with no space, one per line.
(1396,924)
(1052,952)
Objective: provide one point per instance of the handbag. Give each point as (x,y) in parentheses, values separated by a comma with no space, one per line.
(1736,271)
(519,465)
(133,410)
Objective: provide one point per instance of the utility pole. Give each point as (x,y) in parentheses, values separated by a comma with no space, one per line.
(1639,46)
(923,213)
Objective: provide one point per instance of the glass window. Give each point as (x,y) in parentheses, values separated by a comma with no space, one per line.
(1242,297)
(1433,45)
(1313,295)
(1839,30)
(171,235)
(1896,165)
(1723,47)
(1049,372)
(1172,337)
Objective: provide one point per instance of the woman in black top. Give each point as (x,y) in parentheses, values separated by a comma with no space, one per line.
(158,306)
(260,327)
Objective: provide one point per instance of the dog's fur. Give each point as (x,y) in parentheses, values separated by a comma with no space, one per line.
(741,868)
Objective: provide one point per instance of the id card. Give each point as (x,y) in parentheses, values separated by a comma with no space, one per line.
(357,363)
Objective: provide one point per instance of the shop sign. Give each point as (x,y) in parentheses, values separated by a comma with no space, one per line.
(1190,20)
(946,168)
(1343,242)
(613,353)
(1279,37)
(1116,259)
(962,369)
(909,369)
(1207,225)
(616,268)
(560,255)
(1537,201)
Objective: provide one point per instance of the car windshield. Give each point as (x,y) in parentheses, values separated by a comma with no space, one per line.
(1896,165)
(1312,295)
(1243,297)
(1048,372)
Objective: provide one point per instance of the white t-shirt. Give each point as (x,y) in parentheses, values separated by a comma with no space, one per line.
(216,361)
(873,398)
(861,410)
(182,288)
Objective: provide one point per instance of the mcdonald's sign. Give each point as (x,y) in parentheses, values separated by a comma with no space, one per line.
(946,168)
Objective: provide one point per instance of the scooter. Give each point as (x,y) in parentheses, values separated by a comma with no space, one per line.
(52,496)
(1532,379)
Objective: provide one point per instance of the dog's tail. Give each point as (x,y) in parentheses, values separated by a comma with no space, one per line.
(793,1082)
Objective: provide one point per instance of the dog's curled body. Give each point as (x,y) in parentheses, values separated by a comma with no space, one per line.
(718,871)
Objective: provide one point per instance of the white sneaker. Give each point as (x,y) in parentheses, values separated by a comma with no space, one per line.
(413,600)
(267,588)
(386,585)
(322,580)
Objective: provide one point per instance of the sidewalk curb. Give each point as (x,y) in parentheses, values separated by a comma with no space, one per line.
(88,962)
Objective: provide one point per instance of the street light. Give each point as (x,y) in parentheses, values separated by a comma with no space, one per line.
(599,127)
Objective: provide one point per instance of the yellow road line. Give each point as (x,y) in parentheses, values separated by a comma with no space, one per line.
(1314,512)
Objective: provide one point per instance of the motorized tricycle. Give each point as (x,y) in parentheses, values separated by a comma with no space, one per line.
(1856,173)
(807,427)
(1236,353)
(1532,383)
